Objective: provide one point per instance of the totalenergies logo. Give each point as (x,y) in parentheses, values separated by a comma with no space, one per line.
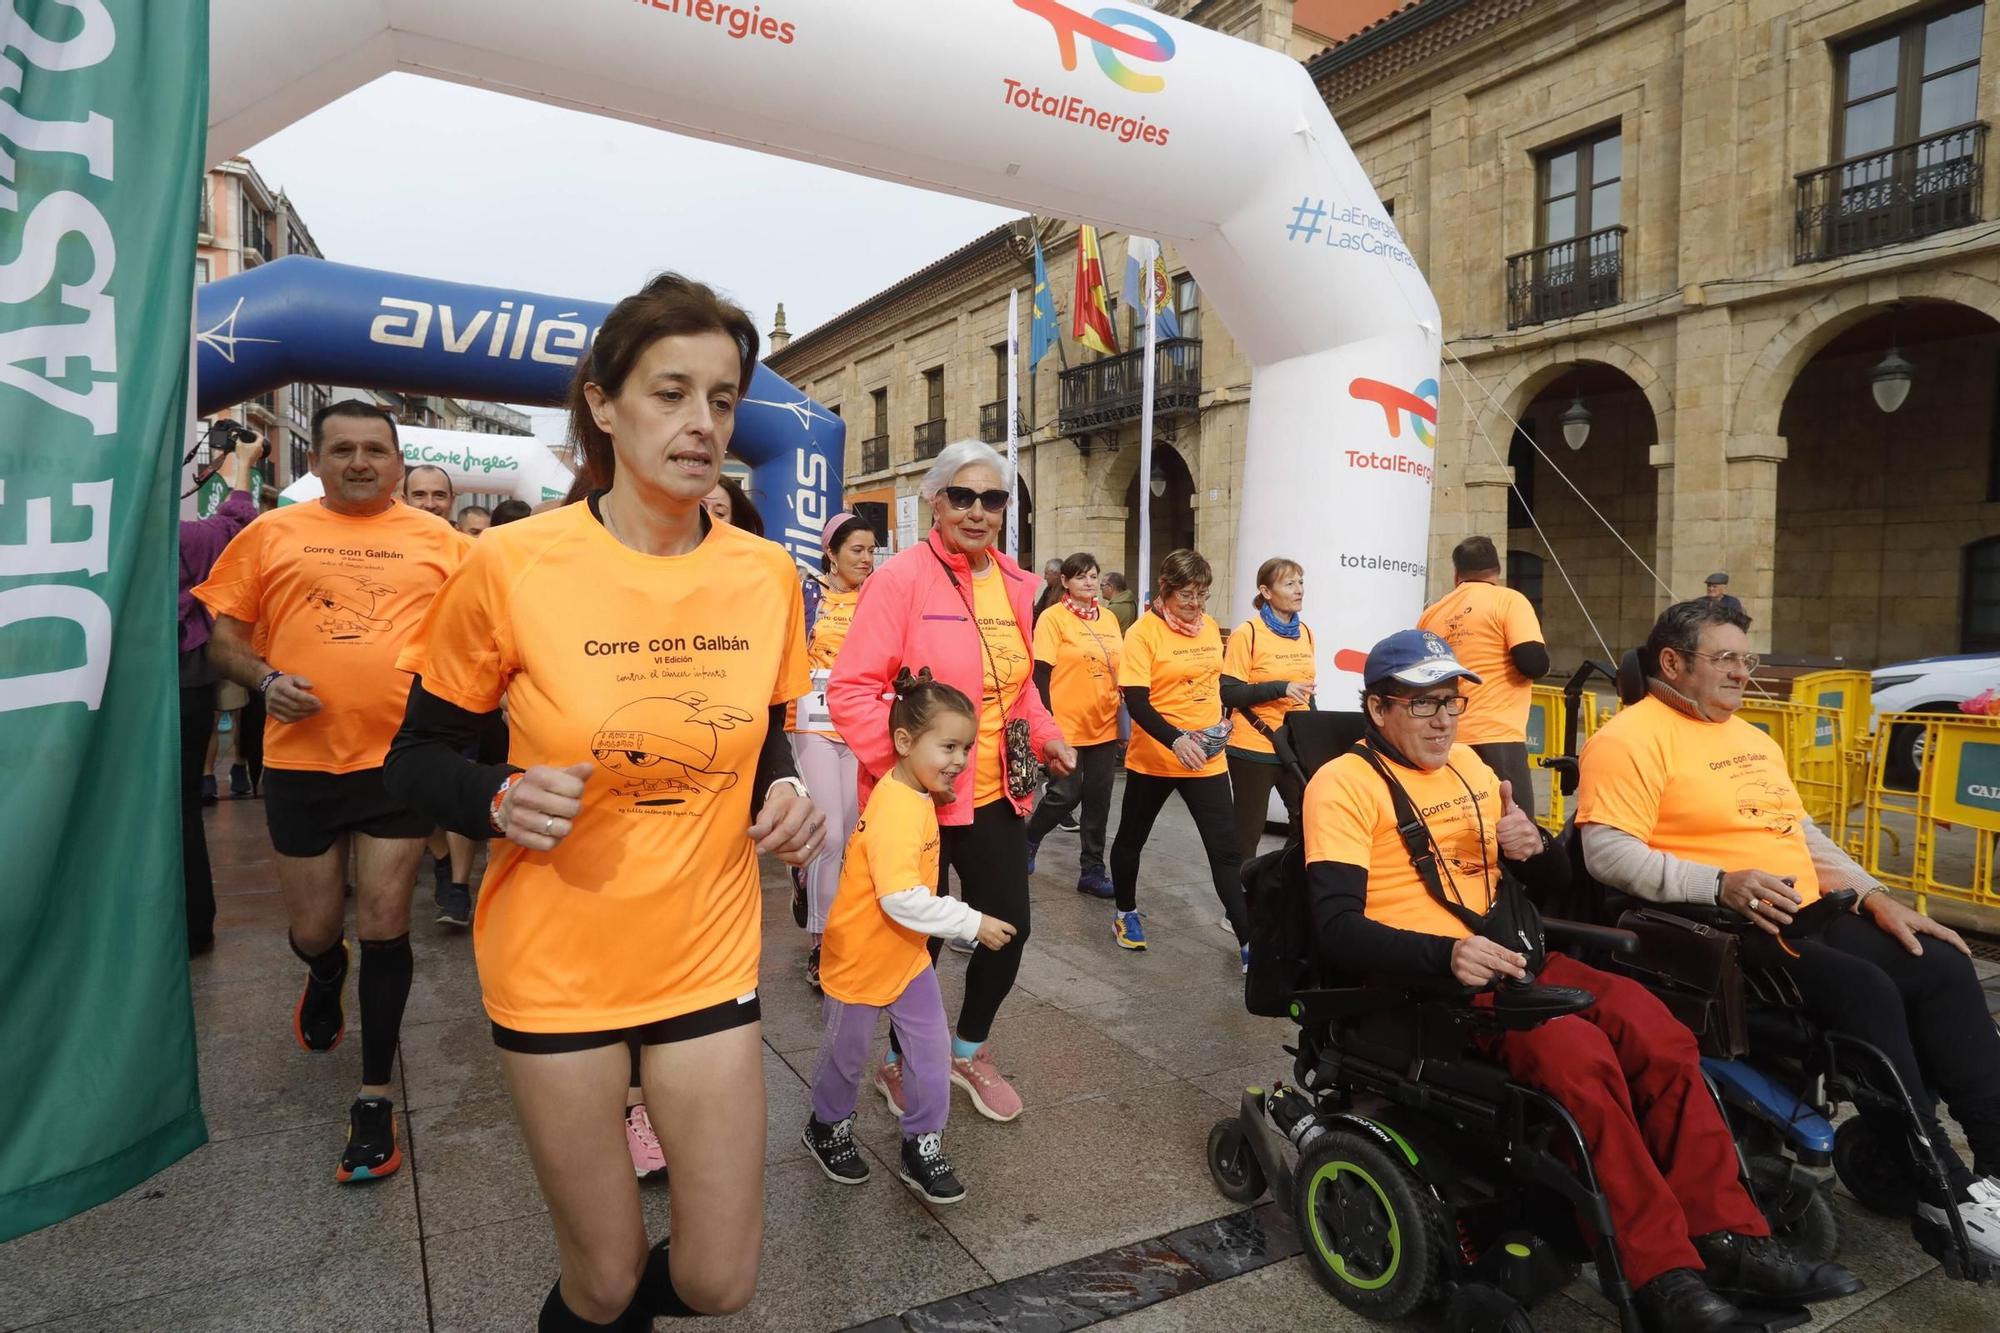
(1421,407)
(1111,33)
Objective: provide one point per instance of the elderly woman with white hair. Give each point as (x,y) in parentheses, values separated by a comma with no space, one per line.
(961,608)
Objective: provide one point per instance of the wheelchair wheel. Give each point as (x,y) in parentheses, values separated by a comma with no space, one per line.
(1795,1202)
(1371,1232)
(1232,1164)
(1871,1154)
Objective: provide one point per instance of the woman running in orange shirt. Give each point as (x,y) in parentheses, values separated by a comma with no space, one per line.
(646,654)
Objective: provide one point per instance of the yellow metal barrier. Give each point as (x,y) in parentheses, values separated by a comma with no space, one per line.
(1548,736)
(1959,791)
(1851,694)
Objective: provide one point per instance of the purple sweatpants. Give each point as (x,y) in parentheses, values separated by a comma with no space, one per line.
(918,1018)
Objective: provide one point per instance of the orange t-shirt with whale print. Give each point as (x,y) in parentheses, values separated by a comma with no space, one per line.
(661,672)
(333,599)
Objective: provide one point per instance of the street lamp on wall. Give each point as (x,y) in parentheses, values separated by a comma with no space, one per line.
(1890,380)
(1575,423)
(1157,483)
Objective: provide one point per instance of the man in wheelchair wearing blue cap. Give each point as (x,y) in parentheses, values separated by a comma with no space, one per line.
(1681,801)
(1685,1228)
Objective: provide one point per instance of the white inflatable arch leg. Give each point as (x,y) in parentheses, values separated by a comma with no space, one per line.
(1108,113)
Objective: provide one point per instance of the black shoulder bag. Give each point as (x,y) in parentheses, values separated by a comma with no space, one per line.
(1512,921)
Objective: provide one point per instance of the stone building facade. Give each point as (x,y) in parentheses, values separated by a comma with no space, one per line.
(1709,223)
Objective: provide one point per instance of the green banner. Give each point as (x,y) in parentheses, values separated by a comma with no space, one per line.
(102,142)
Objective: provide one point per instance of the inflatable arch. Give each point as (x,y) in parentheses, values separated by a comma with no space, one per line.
(302,319)
(1108,113)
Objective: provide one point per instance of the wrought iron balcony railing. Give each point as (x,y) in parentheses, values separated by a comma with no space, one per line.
(993,422)
(875,454)
(1565,278)
(1896,195)
(1110,391)
(930,437)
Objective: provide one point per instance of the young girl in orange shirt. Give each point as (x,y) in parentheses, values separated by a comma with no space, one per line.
(876,955)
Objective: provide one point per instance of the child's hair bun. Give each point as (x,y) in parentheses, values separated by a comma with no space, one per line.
(906,684)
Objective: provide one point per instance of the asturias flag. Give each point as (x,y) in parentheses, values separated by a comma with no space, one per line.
(1142,257)
(1042,334)
(1090,316)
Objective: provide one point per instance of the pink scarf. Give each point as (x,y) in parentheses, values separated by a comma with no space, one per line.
(1187,628)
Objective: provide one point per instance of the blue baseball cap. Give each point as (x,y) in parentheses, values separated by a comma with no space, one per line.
(1414,657)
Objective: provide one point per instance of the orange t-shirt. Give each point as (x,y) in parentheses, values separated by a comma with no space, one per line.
(1715,793)
(867,956)
(1349,818)
(1184,678)
(1003,668)
(829,631)
(1482,622)
(1083,677)
(333,599)
(1256,656)
(662,670)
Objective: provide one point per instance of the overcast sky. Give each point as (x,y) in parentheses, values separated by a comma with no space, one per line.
(416,176)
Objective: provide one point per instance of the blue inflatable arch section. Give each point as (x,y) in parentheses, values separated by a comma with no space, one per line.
(307,320)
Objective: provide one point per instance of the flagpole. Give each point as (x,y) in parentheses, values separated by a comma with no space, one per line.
(1146,429)
(1012,409)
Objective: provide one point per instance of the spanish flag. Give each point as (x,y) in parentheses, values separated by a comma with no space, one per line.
(1090,314)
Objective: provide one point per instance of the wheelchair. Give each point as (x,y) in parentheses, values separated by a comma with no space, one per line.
(1415,1171)
(1783,1097)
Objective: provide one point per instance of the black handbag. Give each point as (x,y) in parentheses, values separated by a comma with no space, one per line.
(1696,970)
(1512,920)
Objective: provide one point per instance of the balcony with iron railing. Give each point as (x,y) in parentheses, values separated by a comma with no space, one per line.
(1895,195)
(875,454)
(929,437)
(993,422)
(1111,391)
(1565,278)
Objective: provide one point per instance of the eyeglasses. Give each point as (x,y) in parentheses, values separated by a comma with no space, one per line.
(962,498)
(1730,661)
(1421,708)
(1193,594)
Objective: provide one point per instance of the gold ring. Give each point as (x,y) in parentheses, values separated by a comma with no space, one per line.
(1756,904)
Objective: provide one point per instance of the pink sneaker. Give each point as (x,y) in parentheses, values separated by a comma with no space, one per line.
(889,1082)
(647,1159)
(992,1096)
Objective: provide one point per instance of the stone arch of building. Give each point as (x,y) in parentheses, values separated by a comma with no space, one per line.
(1526,381)
(1761,401)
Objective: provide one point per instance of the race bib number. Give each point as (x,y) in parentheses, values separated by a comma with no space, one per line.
(812,712)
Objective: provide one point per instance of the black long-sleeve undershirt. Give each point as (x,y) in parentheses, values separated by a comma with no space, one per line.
(1139,705)
(1241,694)
(427,770)
(1530,659)
(1044,676)
(1354,947)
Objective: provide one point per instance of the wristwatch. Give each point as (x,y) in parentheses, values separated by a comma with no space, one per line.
(1867,891)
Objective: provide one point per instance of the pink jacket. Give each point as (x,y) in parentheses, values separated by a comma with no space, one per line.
(916,611)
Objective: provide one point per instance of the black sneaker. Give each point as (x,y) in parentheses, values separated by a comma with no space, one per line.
(317,1020)
(372,1151)
(1759,1269)
(812,971)
(1069,824)
(1678,1301)
(799,903)
(928,1170)
(832,1146)
(239,781)
(454,904)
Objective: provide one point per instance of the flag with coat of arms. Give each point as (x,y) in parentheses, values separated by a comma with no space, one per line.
(1145,267)
(1090,316)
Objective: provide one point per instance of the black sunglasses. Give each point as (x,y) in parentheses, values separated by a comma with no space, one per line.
(962,497)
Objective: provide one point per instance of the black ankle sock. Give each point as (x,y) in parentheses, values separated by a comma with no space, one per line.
(657,1298)
(327,967)
(386,968)
(557,1317)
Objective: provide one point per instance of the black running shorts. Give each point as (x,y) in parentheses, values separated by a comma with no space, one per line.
(683,1027)
(308,811)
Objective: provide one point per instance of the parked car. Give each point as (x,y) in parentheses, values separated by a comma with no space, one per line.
(1928,685)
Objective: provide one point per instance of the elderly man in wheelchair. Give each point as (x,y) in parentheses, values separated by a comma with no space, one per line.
(1412,848)
(1683,803)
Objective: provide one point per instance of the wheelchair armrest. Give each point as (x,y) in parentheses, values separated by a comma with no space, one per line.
(1577,932)
(1518,1006)
(1311,1007)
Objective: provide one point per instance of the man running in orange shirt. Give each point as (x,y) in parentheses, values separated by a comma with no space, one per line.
(312,603)
(1493,630)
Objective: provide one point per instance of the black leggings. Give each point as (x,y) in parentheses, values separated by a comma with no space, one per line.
(1251,783)
(991,857)
(1089,785)
(1214,817)
(1927,1014)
